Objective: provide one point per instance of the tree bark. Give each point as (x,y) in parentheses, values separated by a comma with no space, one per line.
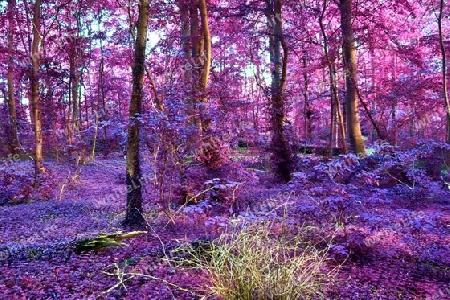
(74,82)
(335,102)
(74,79)
(14,136)
(444,72)
(200,55)
(134,210)
(35,96)
(349,52)
(185,41)
(308,112)
(206,66)
(195,30)
(281,153)
(101,97)
(195,70)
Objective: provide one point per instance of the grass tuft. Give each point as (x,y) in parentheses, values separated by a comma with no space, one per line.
(263,261)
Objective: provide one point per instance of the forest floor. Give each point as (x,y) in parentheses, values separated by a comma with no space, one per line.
(394,237)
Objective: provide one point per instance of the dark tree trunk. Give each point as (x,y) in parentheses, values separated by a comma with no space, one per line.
(185,40)
(282,157)
(74,82)
(308,112)
(134,210)
(14,136)
(444,73)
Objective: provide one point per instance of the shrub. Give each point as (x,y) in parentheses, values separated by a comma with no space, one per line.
(17,185)
(262,261)
(212,152)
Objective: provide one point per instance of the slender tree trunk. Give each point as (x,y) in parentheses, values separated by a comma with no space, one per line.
(374,88)
(188,87)
(67,117)
(339,114)
(134,210)
(35,97)
(205,120)
(14,136)
(281,152)
(444,72)
(349,52)
(74,82)
(74,79)
(335,102)
(307,109)
(101,94)
(185,41)
(101,97)
(190,45)
(394,106)
(195,32)
(196,59)
(74,86)
(201,56)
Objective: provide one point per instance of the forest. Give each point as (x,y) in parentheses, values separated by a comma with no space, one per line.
(224,149)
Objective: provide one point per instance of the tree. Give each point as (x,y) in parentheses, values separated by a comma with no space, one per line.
(134,210)
(444,72)
(35,95)
(185,40)
(351,98)
(281,153)
(14,136)
(197,54)
(204,78)
(336,114)
(74,78)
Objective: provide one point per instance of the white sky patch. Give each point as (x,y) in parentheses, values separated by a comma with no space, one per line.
(153,39)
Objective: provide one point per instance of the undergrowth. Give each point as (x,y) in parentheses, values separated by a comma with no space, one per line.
(262,261)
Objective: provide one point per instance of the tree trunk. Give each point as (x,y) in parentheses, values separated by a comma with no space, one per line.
(134,210)
(374,88)
(200,56)
(349,52)
(281,153)
(206,60)
(336,114)
(308,112)
(185,41)
(101,93)
(74,79)
(192,73)
(101,97)
(195,30)
(444,73)
(35,97)
(206,66)
(394,106)
(14,136)
(74,82)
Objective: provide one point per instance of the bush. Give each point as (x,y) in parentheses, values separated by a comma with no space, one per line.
(17,185)
(262,261)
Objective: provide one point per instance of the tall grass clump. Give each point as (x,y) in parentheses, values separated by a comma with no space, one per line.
(263,261)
